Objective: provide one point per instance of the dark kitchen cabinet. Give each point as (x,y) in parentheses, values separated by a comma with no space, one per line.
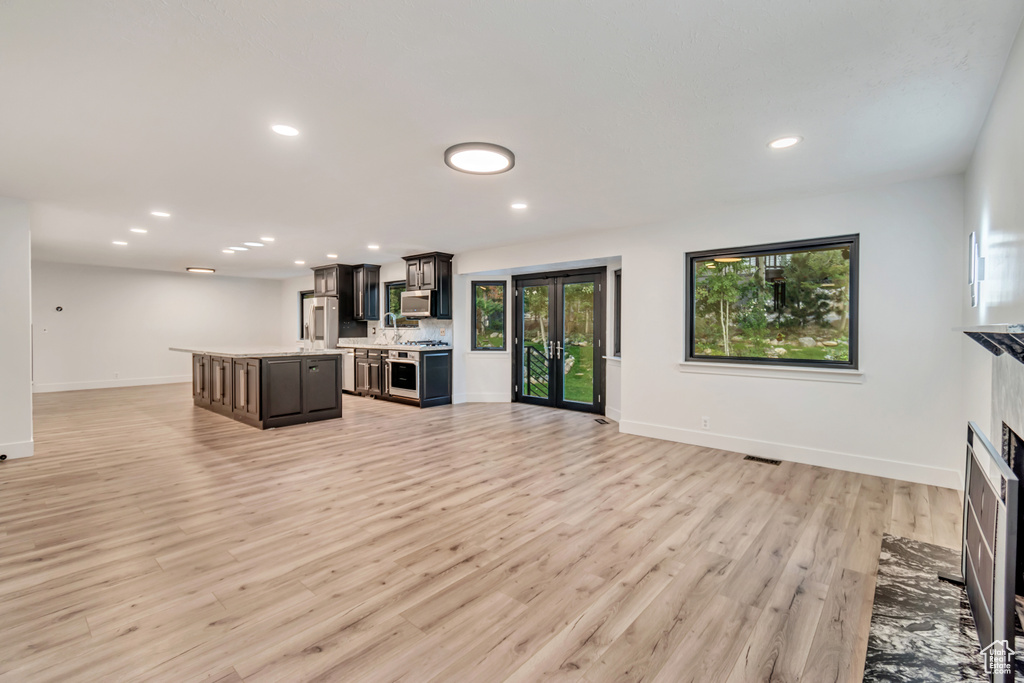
(282,396)
(326,280)
(300,389)
(369,373)
(432,272)
(200,379)
(220,384)
(366,291)
(245,385)
(273,391)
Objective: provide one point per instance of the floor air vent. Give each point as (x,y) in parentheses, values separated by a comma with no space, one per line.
(601,421)
(763,461)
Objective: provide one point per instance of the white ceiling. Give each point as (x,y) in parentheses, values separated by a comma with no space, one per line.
(620,112)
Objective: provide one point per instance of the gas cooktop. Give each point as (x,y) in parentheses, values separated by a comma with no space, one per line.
(424,342)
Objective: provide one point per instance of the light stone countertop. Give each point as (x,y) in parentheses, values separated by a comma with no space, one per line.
(259,352)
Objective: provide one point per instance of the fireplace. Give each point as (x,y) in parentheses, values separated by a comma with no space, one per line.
(1013,454)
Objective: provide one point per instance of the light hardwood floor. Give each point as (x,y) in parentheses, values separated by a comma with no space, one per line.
(149,540)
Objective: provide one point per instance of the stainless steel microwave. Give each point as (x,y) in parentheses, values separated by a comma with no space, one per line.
(417,304)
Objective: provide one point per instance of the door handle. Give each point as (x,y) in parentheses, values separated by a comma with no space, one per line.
(559,349)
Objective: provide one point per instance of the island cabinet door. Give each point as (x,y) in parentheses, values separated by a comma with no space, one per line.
(246,388)
(200,379)
(282,387)
(321,389)
(220,383)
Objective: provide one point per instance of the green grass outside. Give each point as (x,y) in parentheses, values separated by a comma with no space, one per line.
(579,382)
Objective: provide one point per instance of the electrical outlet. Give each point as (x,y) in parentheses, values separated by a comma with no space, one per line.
(705,422)
(117,375)
(442,331)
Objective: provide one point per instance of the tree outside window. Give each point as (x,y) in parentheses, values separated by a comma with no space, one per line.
(488,316)
(792,303)
(394,300)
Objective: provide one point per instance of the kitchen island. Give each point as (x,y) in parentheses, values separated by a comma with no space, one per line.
(268,387)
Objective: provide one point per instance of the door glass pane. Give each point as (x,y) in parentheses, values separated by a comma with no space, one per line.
(536,327)
(578,342)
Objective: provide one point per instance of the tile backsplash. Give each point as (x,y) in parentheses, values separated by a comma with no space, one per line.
(429,328)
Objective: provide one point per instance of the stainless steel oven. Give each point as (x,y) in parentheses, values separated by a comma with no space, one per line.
(402,374)
(417,304)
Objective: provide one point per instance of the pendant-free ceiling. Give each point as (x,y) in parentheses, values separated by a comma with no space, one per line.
(480,158)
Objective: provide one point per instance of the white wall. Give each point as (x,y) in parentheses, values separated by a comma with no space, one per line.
(995,209)
(901,418)
(15,329)
(117,323)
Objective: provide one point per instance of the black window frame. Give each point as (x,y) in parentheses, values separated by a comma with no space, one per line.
(303,295)
(617,333)
(851,241)
(399,320)
(504,314)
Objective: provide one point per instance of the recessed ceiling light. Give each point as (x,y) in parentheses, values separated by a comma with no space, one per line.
(519,205)
(254,244)
(201,270)
(783,143)
(238,248)
(281,129)
(141,231)
(161,214)
(266,239)
(332,256)
(481,158)
(300,263)
(120,243)
(373,246)
(228,251)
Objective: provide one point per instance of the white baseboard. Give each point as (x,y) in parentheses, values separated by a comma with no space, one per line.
(22,449)
(613,414)
(892,469)
(488,397)
(38,388)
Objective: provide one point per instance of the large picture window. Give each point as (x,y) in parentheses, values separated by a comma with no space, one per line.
(488,316)
(393,292)
(793,303)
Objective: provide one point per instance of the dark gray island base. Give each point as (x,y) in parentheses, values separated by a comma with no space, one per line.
(267,390)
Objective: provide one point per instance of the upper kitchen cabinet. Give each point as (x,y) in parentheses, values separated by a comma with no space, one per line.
(366,286)
(433,272)
(325,280)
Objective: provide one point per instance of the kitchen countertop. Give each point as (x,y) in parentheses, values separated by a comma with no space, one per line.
(259,352)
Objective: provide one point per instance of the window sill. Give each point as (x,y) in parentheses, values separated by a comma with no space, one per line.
(614,359)
(769,372)
(481,352)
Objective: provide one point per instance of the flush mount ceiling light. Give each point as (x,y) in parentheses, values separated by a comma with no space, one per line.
(300,263)
(373,246)
(141,231)
(254,244)
(160,214)
(783,143)
(120,243)
(266,239)
(479,158)
(227,251)
(519,205)
(201,270)
(332,256)
(281,129)
(238,249)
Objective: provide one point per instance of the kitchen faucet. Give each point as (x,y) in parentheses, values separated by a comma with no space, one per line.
(394,325)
